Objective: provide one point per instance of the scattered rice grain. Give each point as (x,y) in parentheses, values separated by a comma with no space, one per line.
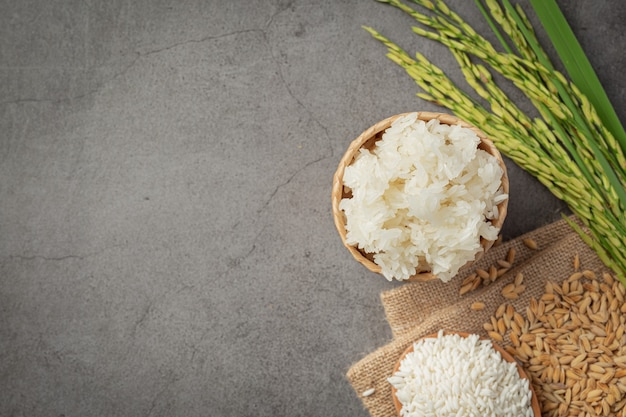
(510,256)
(530,243)
(477,306)
(368,392)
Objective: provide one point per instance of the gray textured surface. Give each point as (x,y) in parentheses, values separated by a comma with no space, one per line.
(166,241)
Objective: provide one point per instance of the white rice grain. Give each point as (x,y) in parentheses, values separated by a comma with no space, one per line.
(368,392)
(422,198)
(455,376)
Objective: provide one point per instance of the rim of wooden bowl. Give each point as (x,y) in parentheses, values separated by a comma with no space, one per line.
(534,403)
(367,139)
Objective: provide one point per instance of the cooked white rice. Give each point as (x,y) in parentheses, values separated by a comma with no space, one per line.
(422,198)
(455,376)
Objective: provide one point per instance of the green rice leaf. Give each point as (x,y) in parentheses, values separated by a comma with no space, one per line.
(577,65)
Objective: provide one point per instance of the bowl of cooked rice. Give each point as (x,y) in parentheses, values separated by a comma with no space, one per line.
(419,196)
(456,373)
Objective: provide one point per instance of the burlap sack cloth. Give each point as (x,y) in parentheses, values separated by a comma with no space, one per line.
(417,309)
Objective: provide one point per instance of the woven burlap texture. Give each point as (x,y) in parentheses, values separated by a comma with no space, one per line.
(417,309)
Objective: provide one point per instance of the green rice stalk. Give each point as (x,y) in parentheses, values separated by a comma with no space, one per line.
(549,106)
(493,26)
(577,65)
(444,92)
(562,110)
(497,14)
(544,155)
(544,147)
(580,122)
(564,114)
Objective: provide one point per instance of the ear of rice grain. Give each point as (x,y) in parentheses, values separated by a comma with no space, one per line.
(422,198)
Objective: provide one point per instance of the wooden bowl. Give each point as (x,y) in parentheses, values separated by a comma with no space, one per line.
(505,355)
(367,140)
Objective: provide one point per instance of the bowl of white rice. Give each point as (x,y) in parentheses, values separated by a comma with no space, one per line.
(419,196)
(456,373)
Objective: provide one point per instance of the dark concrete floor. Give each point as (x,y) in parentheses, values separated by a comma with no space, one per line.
(166,239)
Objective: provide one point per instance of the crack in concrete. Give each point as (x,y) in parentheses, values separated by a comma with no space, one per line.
(301,104)
(277,12)
(263,32)
(152,305)
(288,181)
(46,258)
(138,56)
(144,316)
(77,97)
(159,394)
(201,40)
(60,258)
(292,94)
(243,257)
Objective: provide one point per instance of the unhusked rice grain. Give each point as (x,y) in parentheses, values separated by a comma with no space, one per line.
(422,198)
(572,344)
(452,375)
